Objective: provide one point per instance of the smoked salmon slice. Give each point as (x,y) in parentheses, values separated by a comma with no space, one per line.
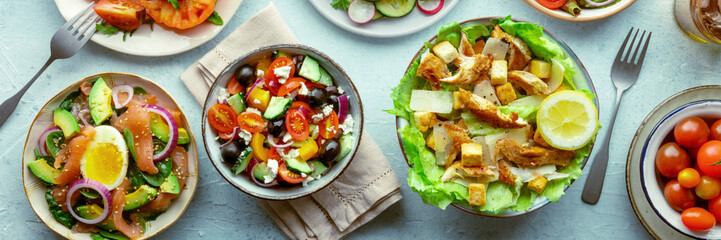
(137,120)
(71,157)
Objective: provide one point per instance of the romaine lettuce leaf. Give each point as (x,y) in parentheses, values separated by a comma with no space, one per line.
(401,94)
(474,31)
(451,32)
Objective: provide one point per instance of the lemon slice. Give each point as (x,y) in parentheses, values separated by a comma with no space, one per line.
(567,119)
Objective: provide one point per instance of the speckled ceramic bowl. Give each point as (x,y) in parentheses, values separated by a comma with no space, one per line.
(582,80)
(35,188)
(586,14)
(242,182)
(695,102)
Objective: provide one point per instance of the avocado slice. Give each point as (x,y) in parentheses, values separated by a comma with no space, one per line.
(63,119)
(93,211)
(140,197)
(170,185)
(99,99)
(161,130)
(43,170)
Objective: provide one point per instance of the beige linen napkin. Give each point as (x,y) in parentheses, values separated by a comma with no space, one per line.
(366,188)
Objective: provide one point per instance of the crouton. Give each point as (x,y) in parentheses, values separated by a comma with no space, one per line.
(424,120)
(457,102)
(471,155)
(506,93)
(478,47)
(445,51)
(538,184)
(540,68)
(477,194)
(499,72)
(538,138)
(431,141)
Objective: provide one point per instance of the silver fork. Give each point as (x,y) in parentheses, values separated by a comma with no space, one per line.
(65,43)
(624,74)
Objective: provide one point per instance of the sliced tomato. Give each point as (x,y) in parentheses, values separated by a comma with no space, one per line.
(124,14)
(190,12)
(225,135)
(552,4)
(289,176)
(329,126)
(251,122)
(312,85)
(290,85)
(234,86)
(296,124)
(273,154)
(273,84)
(222,118)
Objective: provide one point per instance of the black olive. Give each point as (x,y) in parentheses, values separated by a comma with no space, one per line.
(231,152)
(333,100)
(245,75)
(332,90)
(317,97)
(276,127)
(298,63)
(329,150)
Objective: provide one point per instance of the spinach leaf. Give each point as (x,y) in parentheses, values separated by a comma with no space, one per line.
(92,194)
(165,167)
(215,18)
(48,159)
(67,103)
(175,4)
(54,141)
(106,29)
(340,4)
(116,235)
(138,90)
(130,142)
(97,236)
(62,217)
(135,176)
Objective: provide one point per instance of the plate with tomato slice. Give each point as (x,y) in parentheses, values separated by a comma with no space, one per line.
(145,28)
(673,170)
(586,10)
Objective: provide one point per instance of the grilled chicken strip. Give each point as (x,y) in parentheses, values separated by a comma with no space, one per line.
(458,135)
(488,112)
(529,82)
(433,69)
(465,48)
(457,170)
(469,69)
(504,172)
(531,157)
(519,54)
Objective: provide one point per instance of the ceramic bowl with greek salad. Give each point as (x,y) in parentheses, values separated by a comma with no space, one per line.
(282,122)
(580,10)
(110,157)
(494,116)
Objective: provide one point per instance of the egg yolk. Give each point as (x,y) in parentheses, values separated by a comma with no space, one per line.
(104,163)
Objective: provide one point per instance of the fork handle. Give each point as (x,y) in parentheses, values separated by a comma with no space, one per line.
(8,106)
(594,181)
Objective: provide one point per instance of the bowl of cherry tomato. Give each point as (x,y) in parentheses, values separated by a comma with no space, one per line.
(681,168)
(282,122)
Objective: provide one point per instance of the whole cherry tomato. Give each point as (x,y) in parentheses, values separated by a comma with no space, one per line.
(709,158)
(671,159)
(691,132)
(716,130)
(678,197)
(714,206)
(698,219)
(708,188)
(689,178)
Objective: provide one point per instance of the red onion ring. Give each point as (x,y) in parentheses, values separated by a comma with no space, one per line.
(305,112)
(272,142)
(236,130)
(122,89)
(259,183)
(81,114)
(42,144)
(343,107)
(601,4)
(97,186)
(247,96)
(172,135)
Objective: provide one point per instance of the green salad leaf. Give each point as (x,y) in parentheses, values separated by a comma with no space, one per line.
(474,31)
(106,29)
(63,218)
(174,3)
(340,4)
(451,32)
(215,18)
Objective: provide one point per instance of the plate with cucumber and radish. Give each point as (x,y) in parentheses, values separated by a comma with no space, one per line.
(383,18)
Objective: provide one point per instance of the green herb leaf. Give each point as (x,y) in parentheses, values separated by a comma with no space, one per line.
(138,90)
(57,212)
(340,4)
(175,4)
(716,164)
(69,100)
(215,18)
(130,142)
(106,29)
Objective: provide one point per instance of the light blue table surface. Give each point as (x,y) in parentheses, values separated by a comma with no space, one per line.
(219,211)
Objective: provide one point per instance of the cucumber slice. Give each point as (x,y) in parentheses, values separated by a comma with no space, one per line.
(237,102)
(378,15)
(260,170)
(277,108)
(243,161)
(325,78)
(395,8)
(318,168)
(299,166)
(310,69)
(346,144)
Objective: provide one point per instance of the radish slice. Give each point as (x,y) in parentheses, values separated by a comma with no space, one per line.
(361,11)
(430,7)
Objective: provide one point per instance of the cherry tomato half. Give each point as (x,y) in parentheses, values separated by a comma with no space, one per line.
(124,14)
(714,206)
(671,159)
(273,154)
(289,176)
(190,14)
(290,85)
(689,178)
(298,104)
(222,118)
(251,122)
(552,4)
(716,130)
(270,74)
(678,197)
(234,86)
(225,135)
(296,124)
(708,188)
(698,219)
(708,155)
(691,132)
(329,126)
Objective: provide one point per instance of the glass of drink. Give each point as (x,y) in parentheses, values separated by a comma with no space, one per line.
(700,19)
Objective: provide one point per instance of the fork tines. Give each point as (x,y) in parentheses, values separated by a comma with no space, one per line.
(83,24)
(645,39)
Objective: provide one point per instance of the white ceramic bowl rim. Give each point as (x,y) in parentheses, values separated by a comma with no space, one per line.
(650,179)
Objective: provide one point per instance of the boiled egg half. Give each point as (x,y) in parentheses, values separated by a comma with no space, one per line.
(106,157)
